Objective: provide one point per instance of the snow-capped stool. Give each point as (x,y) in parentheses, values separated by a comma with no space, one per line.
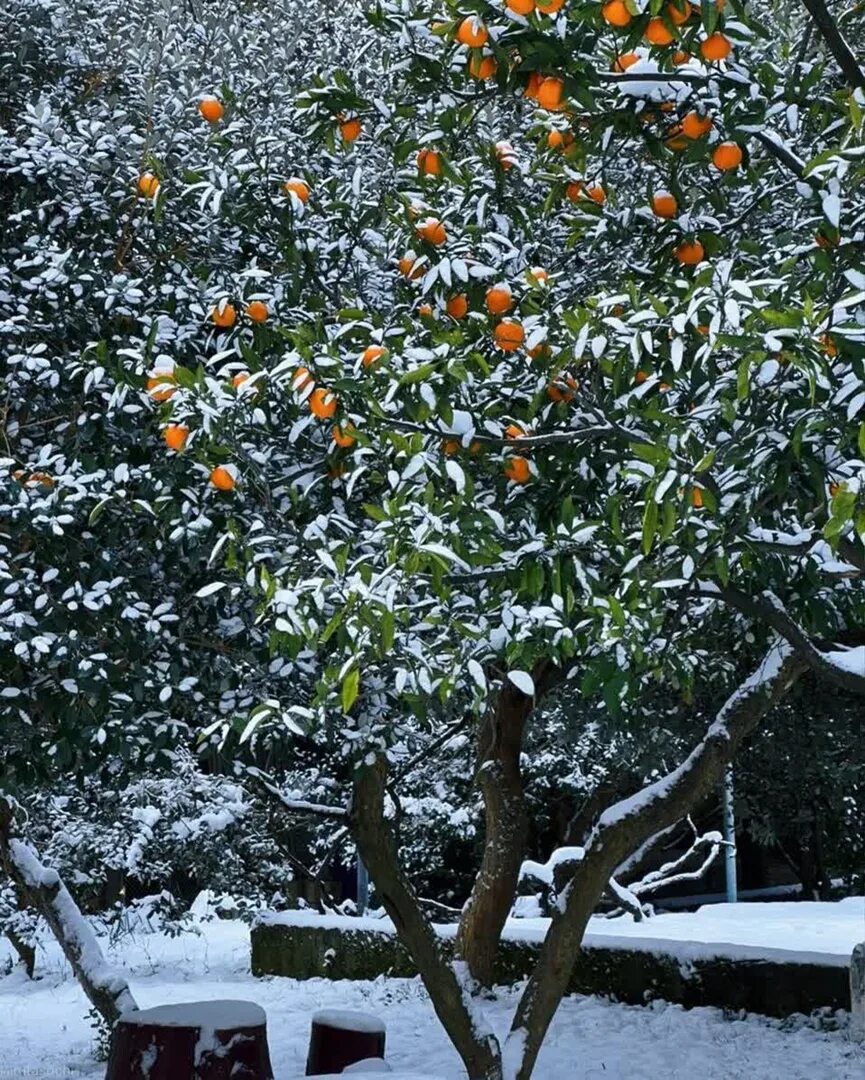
(195,1040)
(340,1038)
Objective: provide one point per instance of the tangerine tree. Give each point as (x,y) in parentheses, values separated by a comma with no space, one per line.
(579,415)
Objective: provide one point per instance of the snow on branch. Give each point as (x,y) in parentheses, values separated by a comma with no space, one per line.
(43,889)
(565,857)
(298,806)
(844,667)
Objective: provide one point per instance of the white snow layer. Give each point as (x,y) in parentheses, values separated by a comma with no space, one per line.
(45,1031)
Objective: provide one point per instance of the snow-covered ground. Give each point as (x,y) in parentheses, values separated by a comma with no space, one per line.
(44,1033)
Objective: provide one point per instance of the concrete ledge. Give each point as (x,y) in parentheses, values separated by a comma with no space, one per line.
(330,948)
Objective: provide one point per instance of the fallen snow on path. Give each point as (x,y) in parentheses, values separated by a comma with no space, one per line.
(44,1033)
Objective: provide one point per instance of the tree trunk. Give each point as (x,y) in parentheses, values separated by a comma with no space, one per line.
(500,743)
(450,998)
(26,952)
(42,889)
(622,829)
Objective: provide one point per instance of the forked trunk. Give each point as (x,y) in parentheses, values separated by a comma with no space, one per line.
(374,837)
(500,743)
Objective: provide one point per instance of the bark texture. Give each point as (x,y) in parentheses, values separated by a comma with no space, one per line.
(450,998)
(506,822)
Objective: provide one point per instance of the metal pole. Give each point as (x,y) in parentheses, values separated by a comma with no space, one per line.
(729,836)
(362,886)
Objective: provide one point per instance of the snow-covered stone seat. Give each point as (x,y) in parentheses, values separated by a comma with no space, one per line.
(195,1040)
(340,1038)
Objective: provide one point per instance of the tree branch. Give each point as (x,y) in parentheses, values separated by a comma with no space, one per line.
(768,609)
(627,824)
(375,841)
(42,889)
(265,784)
(834,39)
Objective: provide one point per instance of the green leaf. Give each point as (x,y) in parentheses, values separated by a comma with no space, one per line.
(417,374)
(387,632)
(862,439)
(650,523)
(350,689)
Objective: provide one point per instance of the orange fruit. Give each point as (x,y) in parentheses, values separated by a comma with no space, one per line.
(834,489)
(224,317)
(623,62)
(211,109)
(689,252)
(597,194)
(350,129)
(410,267)
(560,140)
(451,447)
(574,190)
(148,185)
(539,275)
(499,299)
(664,204)
(533,85)
(505,155)
(34,478)
(509,335)
(540,352)
(239,379)
(828,345)
(641,377)
(301,380)
(657,33)
(472,32)
(161,386)
(175,436)
(256,311)
(517,469)
(563,388)
(322,403)
(514,431)
(616,13)
(695,126)
(676,139)
(457,306)
(483,67)
(425,310)
(680,57)
(727,156)
(371,354)
(222,479)
(679,12)
(298,187)
(550,94)
(429,163)
(715,47)
(696,498)
(342,436)
(433,231)
(550,7)
(521,7)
